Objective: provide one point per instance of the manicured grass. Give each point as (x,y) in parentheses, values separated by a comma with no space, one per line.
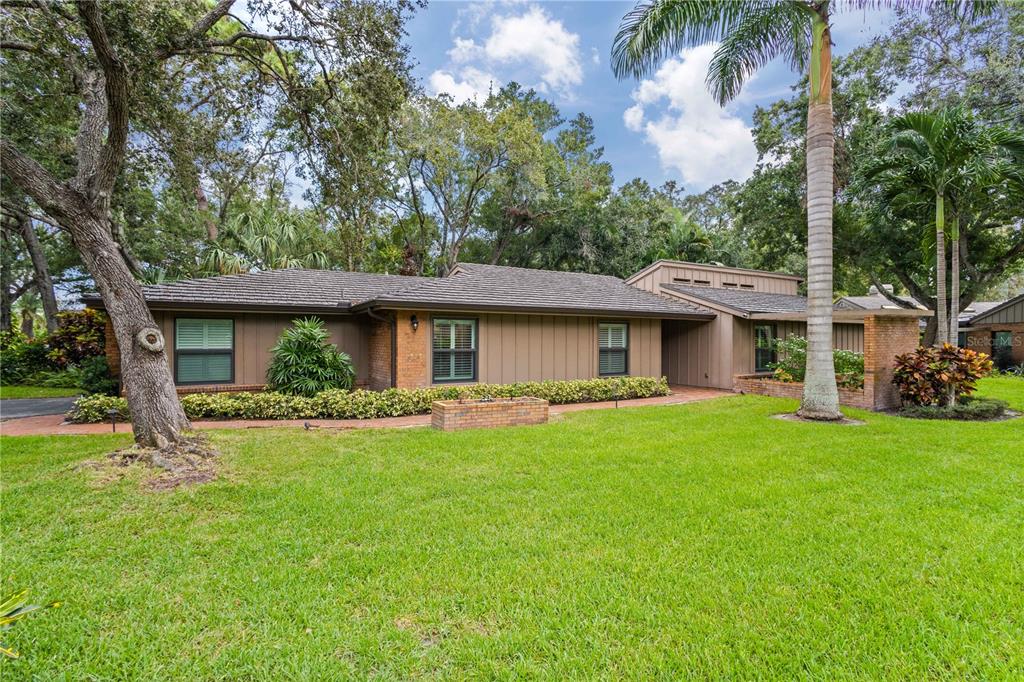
(702,540)
(15,392)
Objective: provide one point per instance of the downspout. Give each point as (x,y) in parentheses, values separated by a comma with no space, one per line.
(393,324)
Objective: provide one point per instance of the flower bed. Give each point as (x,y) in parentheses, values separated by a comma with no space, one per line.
(393,402)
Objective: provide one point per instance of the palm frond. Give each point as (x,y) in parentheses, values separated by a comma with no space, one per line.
(657,29)
(767,31)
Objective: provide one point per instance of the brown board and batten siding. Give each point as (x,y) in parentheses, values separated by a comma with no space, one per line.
(256,333)
(515,347)
(720,278)
(710,354)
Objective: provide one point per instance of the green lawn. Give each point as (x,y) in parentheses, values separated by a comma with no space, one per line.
(702,540)
(15,392)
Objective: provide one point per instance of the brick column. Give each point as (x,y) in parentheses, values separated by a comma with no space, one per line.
(111,349)
(412,360)
(885,337)
(380,355)
(413,363)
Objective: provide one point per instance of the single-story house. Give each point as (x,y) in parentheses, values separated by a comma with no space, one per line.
(996,329)
(695,324)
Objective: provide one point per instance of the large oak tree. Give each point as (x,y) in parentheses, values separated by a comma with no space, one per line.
(116,68)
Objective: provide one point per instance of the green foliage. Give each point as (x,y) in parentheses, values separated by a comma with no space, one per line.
(92,409)
(304,362)
(393,402)
(79,336)
(792,354)
(95,376)
(21,358)
(13,608)
(939,376)
(970,409)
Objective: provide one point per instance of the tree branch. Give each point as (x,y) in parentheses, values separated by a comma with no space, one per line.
(116,89)
(35,181)
(198,29)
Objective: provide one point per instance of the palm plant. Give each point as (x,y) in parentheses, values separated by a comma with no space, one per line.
(942,159)
(304,362)
(267,239)
(750,34)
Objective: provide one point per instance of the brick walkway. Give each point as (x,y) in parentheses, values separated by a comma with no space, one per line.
(54,424)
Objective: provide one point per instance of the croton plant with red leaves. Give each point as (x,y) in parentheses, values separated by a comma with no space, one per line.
(939,376)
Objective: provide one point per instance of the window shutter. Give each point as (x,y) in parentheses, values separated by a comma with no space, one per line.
(193,334)
(204,368)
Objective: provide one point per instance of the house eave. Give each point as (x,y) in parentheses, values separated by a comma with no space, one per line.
(526,309)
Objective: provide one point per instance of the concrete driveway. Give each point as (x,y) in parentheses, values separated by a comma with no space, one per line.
(34,407)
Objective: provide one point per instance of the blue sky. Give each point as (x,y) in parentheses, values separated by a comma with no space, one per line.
(665,128)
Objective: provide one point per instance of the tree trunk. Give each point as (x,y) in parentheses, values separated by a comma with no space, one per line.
(821,395)
(28,327)
(157,416)
(942,333)
(44,283)
(5,301)
(954,289)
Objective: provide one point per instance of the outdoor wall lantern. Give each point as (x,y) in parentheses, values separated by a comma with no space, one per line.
(415,323)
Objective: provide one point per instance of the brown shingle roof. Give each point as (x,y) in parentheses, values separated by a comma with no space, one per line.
(496,287)
(322,290)
(746,301)
(472,287)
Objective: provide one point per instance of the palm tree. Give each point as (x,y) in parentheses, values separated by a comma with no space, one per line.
(749,35)
(266,239)
(941,159)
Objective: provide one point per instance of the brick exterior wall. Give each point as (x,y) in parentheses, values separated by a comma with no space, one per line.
(111,349)
(413,370)
(454,415)
(884,338)
(380,355)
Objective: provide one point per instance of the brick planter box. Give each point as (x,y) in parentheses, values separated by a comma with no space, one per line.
(759,384)
(453,415)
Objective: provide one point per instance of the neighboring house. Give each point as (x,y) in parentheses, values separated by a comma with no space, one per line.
(997,329)
(695,324)
(875,300)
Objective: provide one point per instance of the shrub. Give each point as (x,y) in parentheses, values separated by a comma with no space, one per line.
(96,376)
(939,376)
(20,358)
(304,363)
(93,408)
(968,409)
(56,378)
(394,402)
(792,363)
(79,336)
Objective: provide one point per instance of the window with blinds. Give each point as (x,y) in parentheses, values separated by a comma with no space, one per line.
(613,348)
(454,350)
(204,351)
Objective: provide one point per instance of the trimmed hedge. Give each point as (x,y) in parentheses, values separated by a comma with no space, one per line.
(971,409)
(360,404)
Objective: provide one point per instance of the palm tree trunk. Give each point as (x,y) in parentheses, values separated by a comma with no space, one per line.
(954,287)
(942,335)
(821,396)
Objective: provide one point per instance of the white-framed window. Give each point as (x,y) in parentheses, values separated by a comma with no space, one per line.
(613,348)
(204,351)
(454,350)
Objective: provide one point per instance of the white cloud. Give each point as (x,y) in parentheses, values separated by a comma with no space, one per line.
(595,56)
(634,118)
(693,134)
(470,84)
(465,50)
(537,39)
